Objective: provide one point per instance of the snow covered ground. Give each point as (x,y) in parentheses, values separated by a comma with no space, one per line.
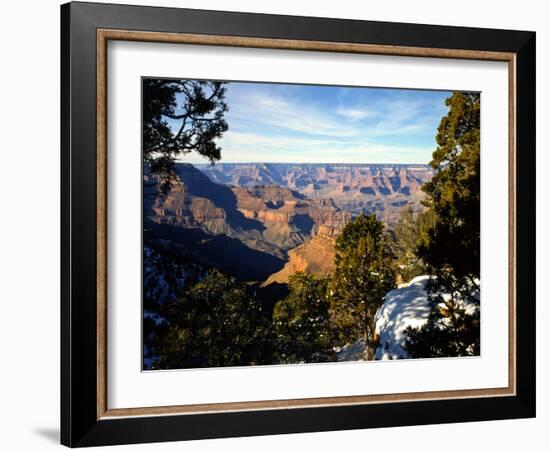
(403,307)
(408,305)
(352,352)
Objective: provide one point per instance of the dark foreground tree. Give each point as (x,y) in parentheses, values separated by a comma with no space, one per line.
(215,323)
(364,274)
(450,247)
(452,242)
(301,322)
(180,117)
(448,333)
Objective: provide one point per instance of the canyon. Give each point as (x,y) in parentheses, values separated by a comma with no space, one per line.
(383,189)
(262,222)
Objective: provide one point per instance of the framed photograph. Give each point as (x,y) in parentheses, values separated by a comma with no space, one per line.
(276,224)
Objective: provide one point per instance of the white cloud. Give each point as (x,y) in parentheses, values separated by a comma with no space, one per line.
(278,112)
(388,117)
(355,114)
(250,147)
(278,123)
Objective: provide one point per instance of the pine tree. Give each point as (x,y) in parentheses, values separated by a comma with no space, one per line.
(180,117)
(447,333)
(450,246)
(364,273)
(405,238)
(215,323)
(301,322)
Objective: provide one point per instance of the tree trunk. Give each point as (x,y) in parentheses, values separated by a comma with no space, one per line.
(370,342)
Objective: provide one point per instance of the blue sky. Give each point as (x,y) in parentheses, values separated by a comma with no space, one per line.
(300,123)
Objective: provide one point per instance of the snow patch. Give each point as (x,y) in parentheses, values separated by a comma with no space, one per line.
(351,352)
(155,317)
(408,305)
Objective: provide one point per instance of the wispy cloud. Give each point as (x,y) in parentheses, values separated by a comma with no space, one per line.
(248,147)
(273,112)
(289,123)
(355,114)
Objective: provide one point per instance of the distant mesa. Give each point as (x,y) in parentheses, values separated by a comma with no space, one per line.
(356,188)
(367,190)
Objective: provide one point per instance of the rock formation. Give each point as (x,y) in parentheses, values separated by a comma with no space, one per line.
(316,256)
(382,189)
(202,216)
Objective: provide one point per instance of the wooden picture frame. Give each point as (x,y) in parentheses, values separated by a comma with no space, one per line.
(86,418)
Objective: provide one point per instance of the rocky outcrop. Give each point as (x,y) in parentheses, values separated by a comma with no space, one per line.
(316,256)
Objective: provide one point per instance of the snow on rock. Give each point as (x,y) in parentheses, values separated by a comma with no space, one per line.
(155,317)
(408,305)
(351,352)
(163,278)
